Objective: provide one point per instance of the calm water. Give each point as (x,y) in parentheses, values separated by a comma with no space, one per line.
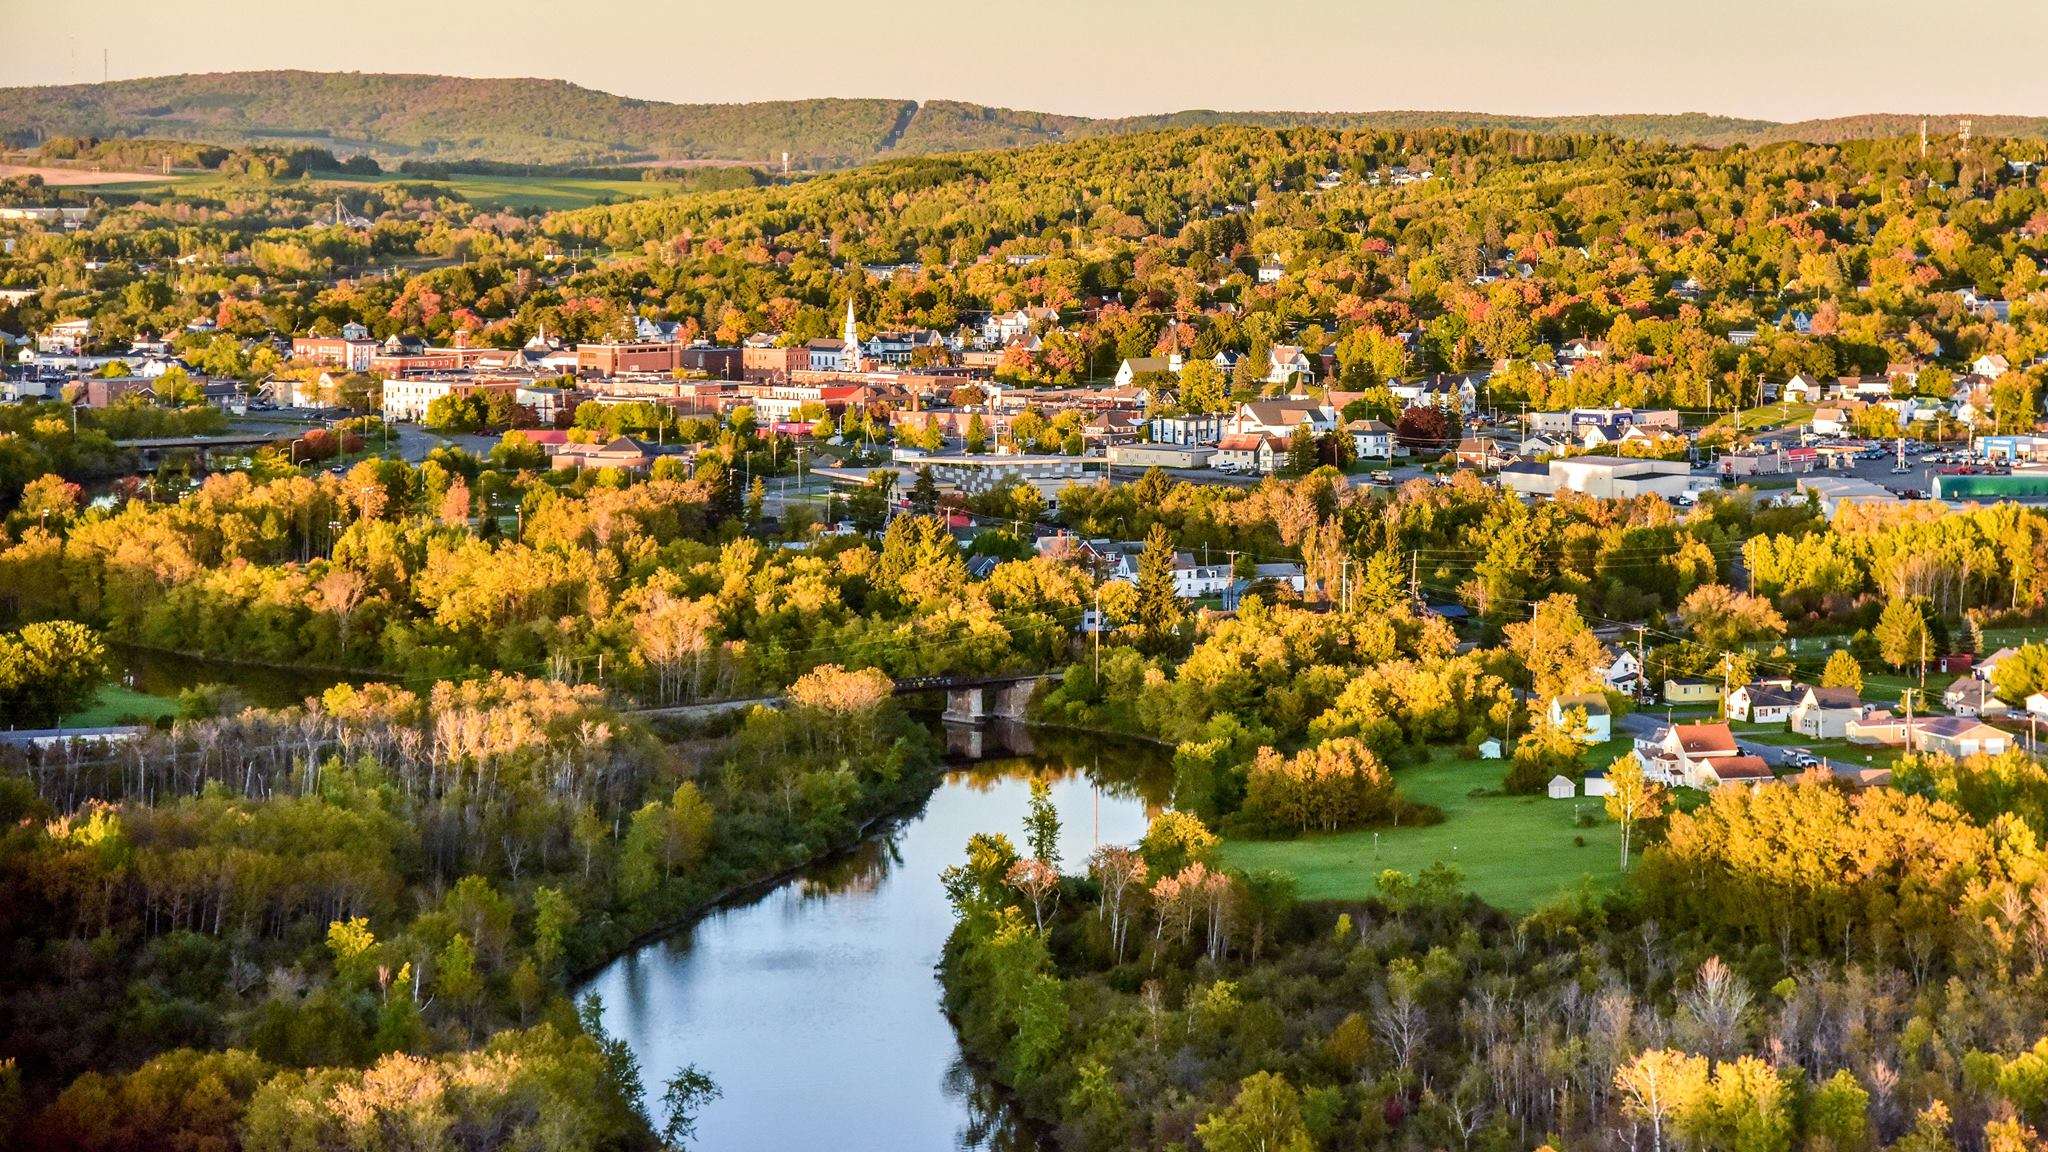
(816,1007)
(167,674)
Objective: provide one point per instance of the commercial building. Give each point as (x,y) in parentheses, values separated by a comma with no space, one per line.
(1160,455)
(1607,477)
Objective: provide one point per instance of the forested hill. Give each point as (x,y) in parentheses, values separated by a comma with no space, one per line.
(394,116)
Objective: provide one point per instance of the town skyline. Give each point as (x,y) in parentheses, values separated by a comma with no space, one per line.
(1583,57)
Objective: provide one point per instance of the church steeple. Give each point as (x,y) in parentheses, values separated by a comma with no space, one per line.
(851,338)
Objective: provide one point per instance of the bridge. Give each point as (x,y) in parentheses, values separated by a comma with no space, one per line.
(150,450)
(970,699)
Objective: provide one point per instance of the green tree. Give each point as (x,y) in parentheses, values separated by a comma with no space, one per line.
(1301,452)
(1159,608)
(1202,387)
(1631,798)
(1265,1116)
(1842,671)
(685,1094)
(1042,824)
(1901,633)
(48,670)
(924,494)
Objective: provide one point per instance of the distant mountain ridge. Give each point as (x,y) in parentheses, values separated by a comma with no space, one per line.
(532,121)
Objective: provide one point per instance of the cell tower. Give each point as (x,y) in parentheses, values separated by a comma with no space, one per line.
(1923,137)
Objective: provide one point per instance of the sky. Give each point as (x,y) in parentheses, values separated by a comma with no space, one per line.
(1771,59)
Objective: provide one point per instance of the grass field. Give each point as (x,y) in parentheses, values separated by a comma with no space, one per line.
(118,701)
(1516,852)
(545,192)
(541,192)
(1767,416)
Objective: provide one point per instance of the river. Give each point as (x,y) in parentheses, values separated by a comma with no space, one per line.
(260,685)
(815,1008)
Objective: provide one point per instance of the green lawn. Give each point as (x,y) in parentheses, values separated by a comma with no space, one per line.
(1516,851)
(117,702)
(1768,416)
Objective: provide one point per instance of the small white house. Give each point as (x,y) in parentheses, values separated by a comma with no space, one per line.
(2037,704)
(1593,705)
(1489,748)
(1562,788)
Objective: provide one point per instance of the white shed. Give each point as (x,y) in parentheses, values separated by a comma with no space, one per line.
(1597,783)
(1562,788)
(1489,748)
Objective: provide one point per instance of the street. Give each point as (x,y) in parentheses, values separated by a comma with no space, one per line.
(1644,725)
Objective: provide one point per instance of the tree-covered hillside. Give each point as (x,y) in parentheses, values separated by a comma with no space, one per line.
(531,121)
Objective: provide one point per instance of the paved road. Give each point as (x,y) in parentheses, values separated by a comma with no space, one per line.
(1644,725)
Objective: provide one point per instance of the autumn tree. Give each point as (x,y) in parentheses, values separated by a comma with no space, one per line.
(1842,671)
(1556,648)
(49,669)
(1902,636)
(1632,798)
(1721,618)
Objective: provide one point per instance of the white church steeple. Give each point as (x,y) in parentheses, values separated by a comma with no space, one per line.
(850,359)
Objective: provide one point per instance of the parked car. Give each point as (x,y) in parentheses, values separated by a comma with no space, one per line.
(1801,758)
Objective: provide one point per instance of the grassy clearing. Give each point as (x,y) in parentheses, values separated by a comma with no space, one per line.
(1516,852)
(116,704)
(546,193)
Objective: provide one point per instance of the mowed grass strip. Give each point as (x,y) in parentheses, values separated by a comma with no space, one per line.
(117,701)
(1516,852)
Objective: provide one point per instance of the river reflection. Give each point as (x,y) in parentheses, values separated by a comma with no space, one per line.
(816,1007)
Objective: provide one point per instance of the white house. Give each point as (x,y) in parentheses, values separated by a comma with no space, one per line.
(2037,704)
(1970,696)
(1562,788)
(1281,417)
(1825,713)
(1620,669)
(1371,440)
(1987,668)
(1768,701)
(1249,452)
(1285,362)
(1599,722)
(1991,365)
(1136,366)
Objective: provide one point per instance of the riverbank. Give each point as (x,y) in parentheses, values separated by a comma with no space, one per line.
(827,979)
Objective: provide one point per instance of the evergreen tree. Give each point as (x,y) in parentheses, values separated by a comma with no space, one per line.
(924,494)
(1159,608)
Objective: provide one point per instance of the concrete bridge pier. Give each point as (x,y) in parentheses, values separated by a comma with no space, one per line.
(965,705)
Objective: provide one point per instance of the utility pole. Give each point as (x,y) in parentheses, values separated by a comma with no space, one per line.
(1098,630)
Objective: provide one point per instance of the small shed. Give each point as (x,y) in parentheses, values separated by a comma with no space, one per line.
(1489,748)
(1562,788)
(1597,783)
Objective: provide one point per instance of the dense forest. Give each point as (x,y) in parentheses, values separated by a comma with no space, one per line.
(533,121)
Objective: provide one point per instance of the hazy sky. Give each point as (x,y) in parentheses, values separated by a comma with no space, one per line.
(1780,59)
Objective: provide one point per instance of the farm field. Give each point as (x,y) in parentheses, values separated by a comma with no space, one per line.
(543,193)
